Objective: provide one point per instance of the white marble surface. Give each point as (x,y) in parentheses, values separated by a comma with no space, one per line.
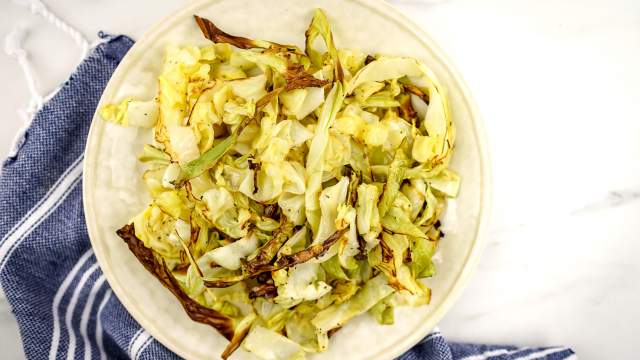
(558,84)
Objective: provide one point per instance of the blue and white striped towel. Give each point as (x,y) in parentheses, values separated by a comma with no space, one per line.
(48,271)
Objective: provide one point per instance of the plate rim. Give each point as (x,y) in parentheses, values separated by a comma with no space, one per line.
(386,10)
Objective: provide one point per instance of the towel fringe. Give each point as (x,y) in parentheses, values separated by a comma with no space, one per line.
(14,47)
(39,8)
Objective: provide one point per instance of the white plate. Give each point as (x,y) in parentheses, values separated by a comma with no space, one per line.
(113,190)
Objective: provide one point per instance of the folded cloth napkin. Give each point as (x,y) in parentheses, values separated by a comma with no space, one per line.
(48,271)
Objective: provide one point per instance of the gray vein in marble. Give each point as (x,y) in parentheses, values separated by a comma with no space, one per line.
(613,199)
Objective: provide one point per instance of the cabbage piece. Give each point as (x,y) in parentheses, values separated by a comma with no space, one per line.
(116,113)
(232,222)
(320,27)
(250,89)
(171,174)
(131,113)
(271,315)
(368,218)
(299,329)
(199,185)
(206,239)
(292,207)
(142,113)
(447,183)
(153,227)
(208,159)
(301,102)
(398,222)
(181,68)
(360,161)
(276,151)
(237,60)
(403,204)
(343,291)
(294,177)
(226,71)
(270,181)
(269,250)
(221,94)
(337,315)
(382,99)
(202,120)
(315,157)
(415,197)
(394,179)
(296,242)
(350,124)
(229,256)
(421,297)
(351,60)
(333,268)
(183,143)
(399,131)
(309,253)
(383,311)
(267,125)
(236,111)
(388,257)
(348,246)
(419,106)
(296,77)
(240,333)
(276,140)
(425,148)
(264,60)
(239,179)
(266,224)
(298,134)
(269,345)
(337,153)
(422,251)
(366,89)
(431,210)
(217,200)
(330,199)
(154,155)
(153,180)
(301,284)
(385,68)
(174,203)
(244,143)
(375,134)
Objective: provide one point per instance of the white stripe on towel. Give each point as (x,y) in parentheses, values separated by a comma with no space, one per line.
(526,348)
(540,354)
(431,336)
(133,340)
(55,338)
(84,320)
(139,343)
(72,306)
(144,346)
(103,303)
(487,354)
(41,211)
(47,195)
